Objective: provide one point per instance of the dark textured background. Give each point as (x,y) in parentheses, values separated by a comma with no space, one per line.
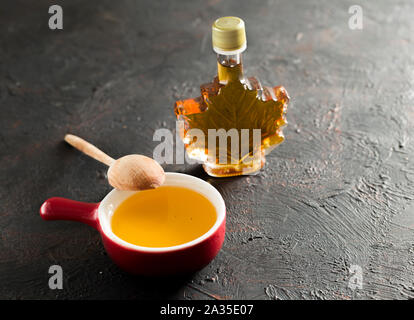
(339,191)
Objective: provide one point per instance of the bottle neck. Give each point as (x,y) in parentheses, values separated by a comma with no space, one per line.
(229,67)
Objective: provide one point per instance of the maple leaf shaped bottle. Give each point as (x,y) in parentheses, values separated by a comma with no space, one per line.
(236,121)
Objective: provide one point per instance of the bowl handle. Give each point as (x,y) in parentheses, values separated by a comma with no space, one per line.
(65,209)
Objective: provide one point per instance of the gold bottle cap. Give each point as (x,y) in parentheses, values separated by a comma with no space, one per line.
(229,35)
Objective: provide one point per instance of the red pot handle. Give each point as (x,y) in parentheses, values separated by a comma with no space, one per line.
(65,209)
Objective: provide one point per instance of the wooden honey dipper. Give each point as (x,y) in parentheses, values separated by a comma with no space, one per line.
(131,172)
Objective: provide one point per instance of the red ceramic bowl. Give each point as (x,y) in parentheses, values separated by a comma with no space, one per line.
(184,258)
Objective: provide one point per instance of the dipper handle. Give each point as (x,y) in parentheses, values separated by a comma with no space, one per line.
(88,149)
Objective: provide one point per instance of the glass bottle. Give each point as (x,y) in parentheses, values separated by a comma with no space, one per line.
(236,121)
